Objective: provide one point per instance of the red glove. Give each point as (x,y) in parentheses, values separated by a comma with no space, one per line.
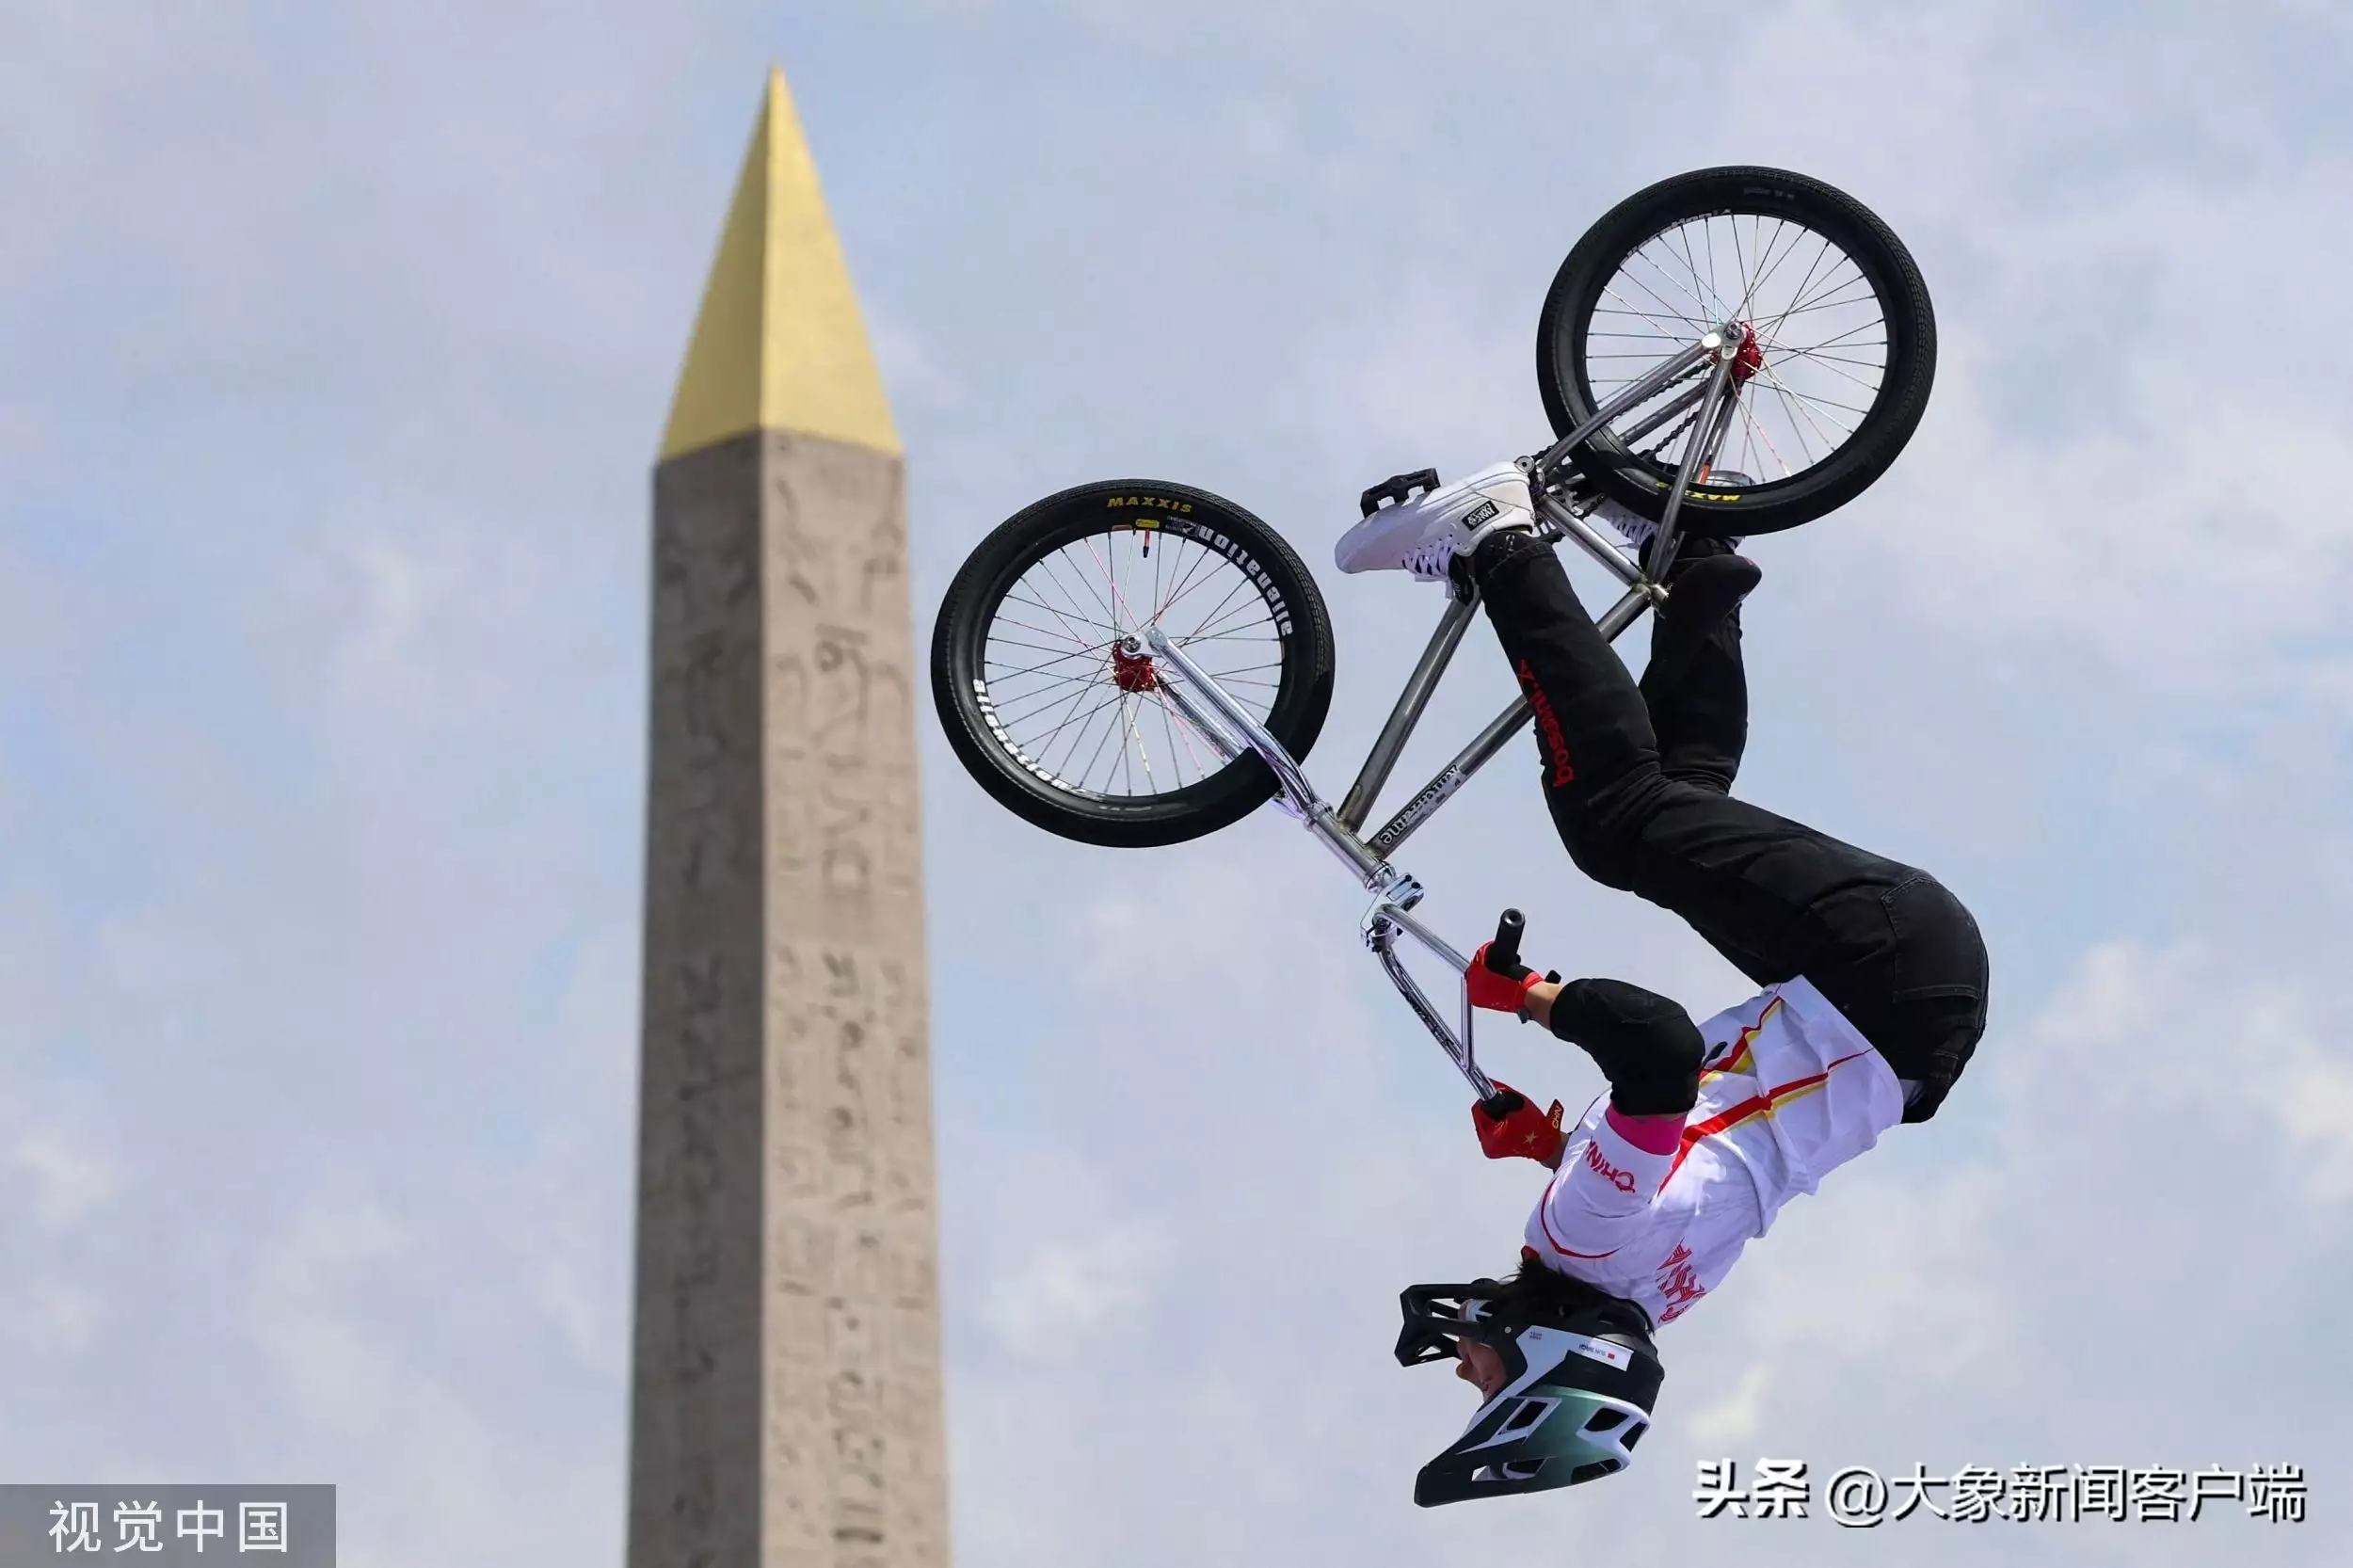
(1499,987)
(1522,1131)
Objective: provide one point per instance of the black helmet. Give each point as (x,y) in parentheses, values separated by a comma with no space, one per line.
(1580,1377)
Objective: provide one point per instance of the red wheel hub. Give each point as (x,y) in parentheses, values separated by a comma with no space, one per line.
(1752,356)
(1133,672)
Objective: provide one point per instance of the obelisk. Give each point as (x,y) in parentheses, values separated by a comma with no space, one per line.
(786,1396)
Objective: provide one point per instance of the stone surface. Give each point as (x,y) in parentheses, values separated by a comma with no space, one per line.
(786,1401)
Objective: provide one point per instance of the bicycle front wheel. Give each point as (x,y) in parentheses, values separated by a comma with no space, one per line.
(1053,717)
(1839,346)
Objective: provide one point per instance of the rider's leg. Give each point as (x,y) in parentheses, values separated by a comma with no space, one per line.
(1694,683)
(1605,777)
(1702,721)
(1885,943)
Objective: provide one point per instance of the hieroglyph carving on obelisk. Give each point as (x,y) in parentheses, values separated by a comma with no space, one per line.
(786,1401)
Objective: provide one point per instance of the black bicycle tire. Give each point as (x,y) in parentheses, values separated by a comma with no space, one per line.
(960,631)
(1764,508)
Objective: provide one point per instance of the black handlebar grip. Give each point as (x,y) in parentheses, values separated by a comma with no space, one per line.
(1505,949)
(1502,1103)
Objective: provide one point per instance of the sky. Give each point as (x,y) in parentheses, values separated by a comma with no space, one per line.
(335,344)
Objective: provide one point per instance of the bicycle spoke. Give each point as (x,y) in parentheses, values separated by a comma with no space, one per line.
(1626,308)
(1184,581)
(1086,675)
(1738,260)
(1037,669)
(1756,434)
(1682,233)
(1084,722)
(1046,741)
(1118,600)
(1830,365)
(1838,342)
(1220,611)
(1109,730)
(1812,356)
(1244,610)
(1050,562)
(1128,708)
(1043,701)
(1817,401)
(1799,408)
(1171,712)
(1703,307)
(1175,737)
(1067,625)
(1015,642)
(1828,304)
(1051,570)
(1749,299)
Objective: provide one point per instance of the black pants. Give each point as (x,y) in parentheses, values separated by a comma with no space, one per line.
(1639,792)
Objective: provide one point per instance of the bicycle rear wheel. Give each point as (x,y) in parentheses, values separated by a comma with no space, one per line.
(1050,716)
(1840,356)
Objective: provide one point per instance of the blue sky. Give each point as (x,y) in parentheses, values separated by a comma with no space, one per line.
(336,345)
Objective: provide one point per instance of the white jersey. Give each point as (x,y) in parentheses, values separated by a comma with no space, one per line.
(1790,1092)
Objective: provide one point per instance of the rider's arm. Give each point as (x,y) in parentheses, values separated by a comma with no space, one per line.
(1609,1180)
(1645,1045)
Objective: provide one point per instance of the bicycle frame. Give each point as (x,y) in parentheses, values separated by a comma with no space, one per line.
(1209,708)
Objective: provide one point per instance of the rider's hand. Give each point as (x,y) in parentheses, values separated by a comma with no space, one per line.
(1522,1132)
(1500,987)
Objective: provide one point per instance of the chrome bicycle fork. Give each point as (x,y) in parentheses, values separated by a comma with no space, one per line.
(1209,708)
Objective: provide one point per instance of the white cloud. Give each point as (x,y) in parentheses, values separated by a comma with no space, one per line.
(909,369)
(1734,1419)
(71,1177)
(1056,1300)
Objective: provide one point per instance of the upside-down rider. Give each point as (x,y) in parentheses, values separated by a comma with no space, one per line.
(1874,996)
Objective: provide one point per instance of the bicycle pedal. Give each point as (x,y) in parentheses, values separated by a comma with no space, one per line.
(1396,490)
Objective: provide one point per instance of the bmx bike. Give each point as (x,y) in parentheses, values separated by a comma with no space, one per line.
(1730,352)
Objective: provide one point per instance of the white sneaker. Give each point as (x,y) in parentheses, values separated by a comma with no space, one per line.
(1636,529)
(1424,535)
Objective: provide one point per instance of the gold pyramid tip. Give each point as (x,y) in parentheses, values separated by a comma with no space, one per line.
(779,343)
